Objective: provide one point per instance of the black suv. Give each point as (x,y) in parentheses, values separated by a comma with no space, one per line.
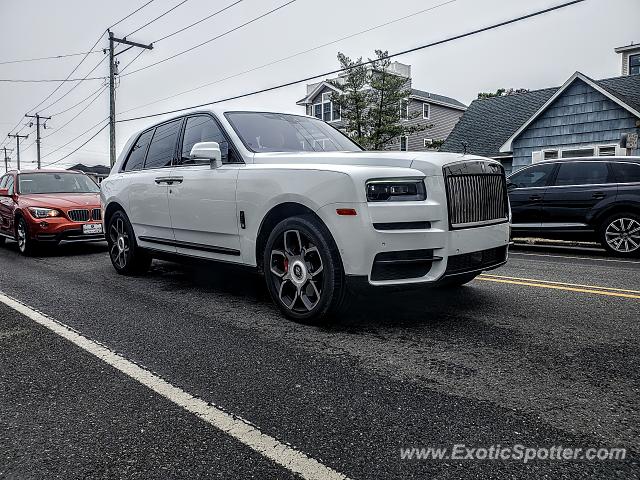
(579,199)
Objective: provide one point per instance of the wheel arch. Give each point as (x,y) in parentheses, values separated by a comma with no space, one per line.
(274,216)
(112,208)
(614,208)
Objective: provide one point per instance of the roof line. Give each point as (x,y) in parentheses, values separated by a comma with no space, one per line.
(315,91)
(507,146)
(438,102)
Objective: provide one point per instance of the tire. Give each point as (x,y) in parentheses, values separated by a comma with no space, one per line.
(303,270)
(125,254)
(26,246)
(620,234)
(458,280)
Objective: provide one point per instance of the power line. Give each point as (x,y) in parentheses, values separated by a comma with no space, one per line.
(369,62)
(211,39)
(198,22)
(79,147)
(48,80)
(79,103)
(75,138)
(53,57)
(317,47)
(77,114)
(157,18)
(132,13)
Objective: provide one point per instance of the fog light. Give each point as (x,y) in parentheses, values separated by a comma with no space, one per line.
(44,224)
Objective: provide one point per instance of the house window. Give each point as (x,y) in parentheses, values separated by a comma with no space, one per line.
(634,64)
(426,110)
(317,110)
(427,142)
(404,109)
(606,150)
(325,110)
(403,143)
(550,154)
(578,152)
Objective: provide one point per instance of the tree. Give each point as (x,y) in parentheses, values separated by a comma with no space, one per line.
(374,102)
(502,92)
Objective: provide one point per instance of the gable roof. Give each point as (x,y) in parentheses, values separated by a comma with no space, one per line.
(435,98)
(97,169)
(488,124)
(489,121)
(617,97)
(312,94)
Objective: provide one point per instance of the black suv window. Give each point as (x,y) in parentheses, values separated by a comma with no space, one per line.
(137,153)
(626,172)
(536,176)
(582,173)
(200,129)
(163,145)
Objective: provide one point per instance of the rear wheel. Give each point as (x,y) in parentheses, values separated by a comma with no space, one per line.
(26,245)
(127,258)
(620,234)
(303,270)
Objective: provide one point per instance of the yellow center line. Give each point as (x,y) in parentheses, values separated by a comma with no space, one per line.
(536,280)
(559,287)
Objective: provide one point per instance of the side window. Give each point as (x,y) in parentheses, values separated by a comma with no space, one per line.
(3,181)
(537,176)
(136,156)
(199,129)
(10,185)
(582,173)
(163,145)
(625,172)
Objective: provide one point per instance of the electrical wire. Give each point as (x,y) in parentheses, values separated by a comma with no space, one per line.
(157,18)
(211,39)
(79,103)
(274,62)
(48,80)
(198,22)
(132,13)
(53,57)
(75,138)
(76,115)
(369,62)
(79,147)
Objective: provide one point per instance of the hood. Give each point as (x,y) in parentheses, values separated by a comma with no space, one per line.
(61,200)
(430,163)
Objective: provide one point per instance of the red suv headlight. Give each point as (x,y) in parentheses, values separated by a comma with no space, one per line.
(42,212)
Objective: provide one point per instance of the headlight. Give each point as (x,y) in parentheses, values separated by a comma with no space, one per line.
(39,212)
(395,190)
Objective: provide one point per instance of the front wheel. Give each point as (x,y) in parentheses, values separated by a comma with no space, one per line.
(127,258)
(620,234)
(26,245)
(303,270)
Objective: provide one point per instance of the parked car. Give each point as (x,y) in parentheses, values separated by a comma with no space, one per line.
(49,206)
(595,198)
(301,202)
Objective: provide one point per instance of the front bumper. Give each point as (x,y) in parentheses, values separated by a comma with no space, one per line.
(61,230)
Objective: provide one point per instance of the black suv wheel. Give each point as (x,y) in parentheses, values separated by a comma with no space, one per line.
(127,258)
(620,234)
(303,270)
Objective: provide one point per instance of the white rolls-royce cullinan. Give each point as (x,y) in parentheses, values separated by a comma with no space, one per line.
(303,204)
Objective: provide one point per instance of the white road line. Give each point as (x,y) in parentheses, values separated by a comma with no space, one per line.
(238,428)
(572,257)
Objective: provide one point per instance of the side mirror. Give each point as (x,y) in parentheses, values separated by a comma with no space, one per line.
(4,192)
(207,151)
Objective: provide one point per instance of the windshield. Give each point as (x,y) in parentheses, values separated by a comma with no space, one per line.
(280,132)
(56,183)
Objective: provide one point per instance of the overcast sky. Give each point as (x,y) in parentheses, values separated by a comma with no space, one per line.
(536,53)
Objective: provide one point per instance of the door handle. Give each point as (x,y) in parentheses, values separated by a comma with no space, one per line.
(535,197)
(168,180)
(598,195)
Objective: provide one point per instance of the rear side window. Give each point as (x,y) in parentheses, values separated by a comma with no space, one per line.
(163,145)
(537,176)
(582,173)
(3,181)
(10,185)
(626,172)
(136,156)
(199,129)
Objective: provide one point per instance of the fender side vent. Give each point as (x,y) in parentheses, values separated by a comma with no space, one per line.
(402,265)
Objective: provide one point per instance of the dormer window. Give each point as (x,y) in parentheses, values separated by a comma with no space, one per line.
(634,64)
(325,110)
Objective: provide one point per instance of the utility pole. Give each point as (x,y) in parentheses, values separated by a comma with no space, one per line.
(113,71)
(18,137)
(6,160)
(38,118)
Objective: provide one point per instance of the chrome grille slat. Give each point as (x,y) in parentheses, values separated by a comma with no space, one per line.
(476,199)
(79,215)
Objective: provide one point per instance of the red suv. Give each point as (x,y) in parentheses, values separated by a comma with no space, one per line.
(49,206)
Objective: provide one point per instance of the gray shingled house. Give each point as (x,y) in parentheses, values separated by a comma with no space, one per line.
(583,117)
(422,108)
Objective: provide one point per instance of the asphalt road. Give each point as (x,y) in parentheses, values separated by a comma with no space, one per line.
(510,359)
